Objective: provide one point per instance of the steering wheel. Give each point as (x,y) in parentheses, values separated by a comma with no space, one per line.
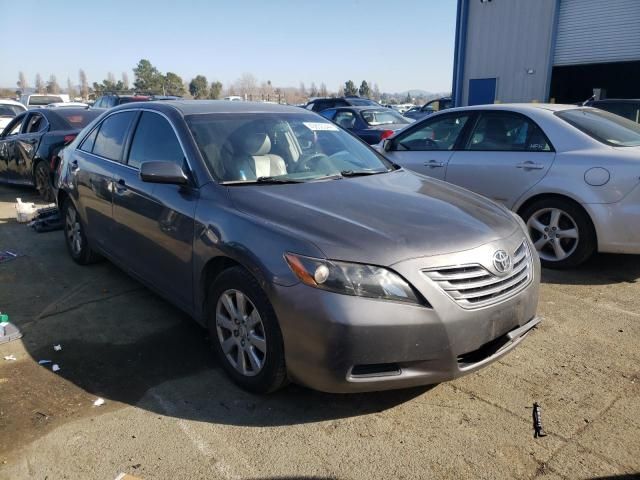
(430,142)
(308,162)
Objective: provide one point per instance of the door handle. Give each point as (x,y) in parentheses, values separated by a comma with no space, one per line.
(433,164)
(121,185)
(530,166)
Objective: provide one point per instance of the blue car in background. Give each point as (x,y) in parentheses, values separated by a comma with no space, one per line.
(371,124)
(429,108)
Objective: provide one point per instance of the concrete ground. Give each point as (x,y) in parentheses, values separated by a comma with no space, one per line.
(171,413)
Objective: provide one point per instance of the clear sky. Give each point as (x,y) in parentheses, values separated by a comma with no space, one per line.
(404,44)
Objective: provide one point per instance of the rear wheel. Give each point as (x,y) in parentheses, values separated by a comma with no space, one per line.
(42,177)
(561,231)
(74,235)
(245,333)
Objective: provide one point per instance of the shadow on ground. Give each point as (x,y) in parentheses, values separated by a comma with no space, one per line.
(601,269)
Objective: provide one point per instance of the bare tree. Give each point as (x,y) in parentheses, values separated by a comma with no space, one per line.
(246,85)
(302,91)
(52,85)
(84,85)
(39,84)
(376,92)
(323,90)
(22,82)
(125,80)
(313,90)
(71,91)
(341,91)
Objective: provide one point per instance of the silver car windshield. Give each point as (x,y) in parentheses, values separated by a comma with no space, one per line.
(605,127)
(263,147)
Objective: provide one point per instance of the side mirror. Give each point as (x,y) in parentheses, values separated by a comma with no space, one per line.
(163,172)
(387,144)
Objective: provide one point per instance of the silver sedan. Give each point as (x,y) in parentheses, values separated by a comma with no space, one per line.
(572,173)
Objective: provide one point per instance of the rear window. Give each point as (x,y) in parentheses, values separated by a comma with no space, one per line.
(383,117)
(77,119)
(362,102)
(44,100)
(605,127)
(122,100)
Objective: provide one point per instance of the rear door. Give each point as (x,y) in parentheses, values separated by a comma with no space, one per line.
(427,147)
(92,165)
(503,156)
(8,146)
(154,222)
(27,144)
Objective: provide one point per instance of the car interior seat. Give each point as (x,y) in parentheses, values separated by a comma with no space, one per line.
(253,159)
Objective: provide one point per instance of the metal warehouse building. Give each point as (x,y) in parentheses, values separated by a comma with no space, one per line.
(546,50)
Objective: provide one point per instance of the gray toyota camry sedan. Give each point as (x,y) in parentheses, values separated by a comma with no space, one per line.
(308,256)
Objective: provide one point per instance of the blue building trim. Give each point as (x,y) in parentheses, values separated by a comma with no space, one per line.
(459,53)
(552,49)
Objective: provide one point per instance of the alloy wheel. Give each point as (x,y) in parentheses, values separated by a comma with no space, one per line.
(554,233)
(241,333)
(74,231)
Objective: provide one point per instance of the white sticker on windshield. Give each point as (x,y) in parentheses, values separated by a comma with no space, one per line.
(317,126)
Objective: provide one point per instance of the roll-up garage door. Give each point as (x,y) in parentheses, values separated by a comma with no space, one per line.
(597,31)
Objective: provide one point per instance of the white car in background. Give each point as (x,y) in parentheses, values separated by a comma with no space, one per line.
(68,104)
(9,109)
(37,100)
(572,173)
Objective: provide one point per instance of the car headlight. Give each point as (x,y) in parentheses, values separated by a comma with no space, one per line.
(352,279)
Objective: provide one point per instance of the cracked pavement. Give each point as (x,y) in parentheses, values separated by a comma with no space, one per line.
(170,411)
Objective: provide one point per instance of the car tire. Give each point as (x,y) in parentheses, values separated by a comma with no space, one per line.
(248,344)
(74,235)
(42,180)
(561,231)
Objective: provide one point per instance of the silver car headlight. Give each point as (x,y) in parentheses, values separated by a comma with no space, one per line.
(352,279)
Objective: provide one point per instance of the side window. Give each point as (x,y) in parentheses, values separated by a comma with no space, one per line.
(87,143)
(36,123)
(154,140)
(109,142)
(439,133)
(345,119)
(503,131)
(328,113)
(14,127)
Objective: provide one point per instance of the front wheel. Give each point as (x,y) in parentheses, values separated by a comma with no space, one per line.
(561,231)
(245,333)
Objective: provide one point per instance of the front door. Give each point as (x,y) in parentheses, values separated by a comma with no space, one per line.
(427,147)
(8,147)
(27,144)
(154,222)
(505,155)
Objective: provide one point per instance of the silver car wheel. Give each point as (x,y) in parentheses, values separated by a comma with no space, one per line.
(74,231)
(554,234)
(241,332)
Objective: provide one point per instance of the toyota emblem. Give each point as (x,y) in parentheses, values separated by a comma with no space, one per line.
(501,261)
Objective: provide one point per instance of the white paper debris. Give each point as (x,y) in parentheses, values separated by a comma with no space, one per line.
(44,362)
(57,348)
(10,357)
(98,402)
(55,367)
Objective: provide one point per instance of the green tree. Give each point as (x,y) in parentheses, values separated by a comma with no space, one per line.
(173,84)
(215,90)
(364,89)
(350,88)
(148,77)
(198,87)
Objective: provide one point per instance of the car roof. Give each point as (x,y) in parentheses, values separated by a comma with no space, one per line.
(11,102)
(197,107)
(519,107)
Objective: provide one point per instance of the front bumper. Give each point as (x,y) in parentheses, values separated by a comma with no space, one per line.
(340,343)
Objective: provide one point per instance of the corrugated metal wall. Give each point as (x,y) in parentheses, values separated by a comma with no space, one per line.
(505,38)
(597,31)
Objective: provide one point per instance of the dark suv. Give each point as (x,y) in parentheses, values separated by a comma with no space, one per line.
(320,104)
(113,99)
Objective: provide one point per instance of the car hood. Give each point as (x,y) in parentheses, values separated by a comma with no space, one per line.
(378,219)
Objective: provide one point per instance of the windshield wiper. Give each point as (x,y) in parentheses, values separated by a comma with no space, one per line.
(361,173)
(262,180)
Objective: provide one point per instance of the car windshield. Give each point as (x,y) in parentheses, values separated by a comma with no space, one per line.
(77,118)
(7,110)
(605,127)
(382,117)
(43,99)
(255,147)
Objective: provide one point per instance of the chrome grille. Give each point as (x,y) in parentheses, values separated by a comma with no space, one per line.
(473,286)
